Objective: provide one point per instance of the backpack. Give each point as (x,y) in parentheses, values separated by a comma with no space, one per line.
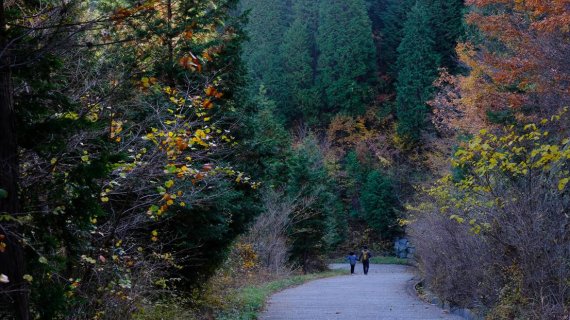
(365,255)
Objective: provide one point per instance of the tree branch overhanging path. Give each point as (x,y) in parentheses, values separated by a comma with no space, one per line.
(383,294)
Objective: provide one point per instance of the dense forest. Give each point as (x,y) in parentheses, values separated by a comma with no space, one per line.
(157,156)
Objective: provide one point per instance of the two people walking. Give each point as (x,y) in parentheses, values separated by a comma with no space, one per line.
(364,256)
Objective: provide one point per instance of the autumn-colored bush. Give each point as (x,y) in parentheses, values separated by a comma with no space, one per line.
(495,233)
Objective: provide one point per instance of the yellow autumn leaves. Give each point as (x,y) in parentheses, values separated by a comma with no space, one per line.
(516,154)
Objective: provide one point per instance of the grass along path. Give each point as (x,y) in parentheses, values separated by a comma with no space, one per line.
(249,301)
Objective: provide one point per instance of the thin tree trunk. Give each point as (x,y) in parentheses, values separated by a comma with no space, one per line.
(12,259)
(169,35)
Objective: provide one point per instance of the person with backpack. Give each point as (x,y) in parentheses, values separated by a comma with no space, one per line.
(352,260)
(365,256)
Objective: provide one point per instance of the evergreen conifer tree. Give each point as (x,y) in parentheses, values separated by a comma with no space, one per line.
(267,143)
(300,55)
(268,22)
(314,229)
(447,23)
(393,19)
(346,62)
(418,63)
(378,202)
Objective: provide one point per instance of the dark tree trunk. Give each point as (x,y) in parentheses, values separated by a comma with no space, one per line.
(12,259)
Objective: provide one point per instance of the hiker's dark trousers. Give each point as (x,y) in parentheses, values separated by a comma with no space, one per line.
(365,266)
(352,268)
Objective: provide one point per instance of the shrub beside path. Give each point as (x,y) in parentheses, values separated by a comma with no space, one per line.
(384,294)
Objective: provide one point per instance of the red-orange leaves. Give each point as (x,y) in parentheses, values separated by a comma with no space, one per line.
(206,55)
(123,13)
(521,58)
(190,62)
(2,243)
(120,14)
(187,34)
(207,104)
(212,92)
(207,167)
(181,144)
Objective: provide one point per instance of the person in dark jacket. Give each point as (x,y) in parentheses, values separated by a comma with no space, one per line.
(352,260)
(365,256)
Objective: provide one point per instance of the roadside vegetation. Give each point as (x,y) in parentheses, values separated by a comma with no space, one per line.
(187,158)
(238,291)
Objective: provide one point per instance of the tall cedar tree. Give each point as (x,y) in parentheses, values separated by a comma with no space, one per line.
(268,23)
(391,33)
(376,8)
(300,59)
(30,39)
(61,104)
(209,209)
(378,202)
(418,63)
(347,60)
(308,179)
(447,22)
(268,144)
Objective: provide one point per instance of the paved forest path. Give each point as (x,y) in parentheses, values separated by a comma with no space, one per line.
(384,294)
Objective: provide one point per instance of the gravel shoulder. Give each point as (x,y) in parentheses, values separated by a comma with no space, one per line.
(382,294)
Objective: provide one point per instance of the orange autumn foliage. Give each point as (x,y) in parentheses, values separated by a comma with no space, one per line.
(521,60)
(367,135)
(449,113)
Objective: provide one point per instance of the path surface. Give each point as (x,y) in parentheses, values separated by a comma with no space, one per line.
(384,294)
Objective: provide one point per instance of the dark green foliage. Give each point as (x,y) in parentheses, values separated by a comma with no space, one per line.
(418,64)
(314,57)
(418,37)
(376,9)
(445,20)
(208,230)
(447,23)
(346,64)
(309,181)
(504,117)
(300,58)
(59,205)
(371,196)
(336,223)
(268,23)
(267,143)
(64,104)
(391,33)
(378,204)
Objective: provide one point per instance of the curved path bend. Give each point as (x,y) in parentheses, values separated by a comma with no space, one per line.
(386,293)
